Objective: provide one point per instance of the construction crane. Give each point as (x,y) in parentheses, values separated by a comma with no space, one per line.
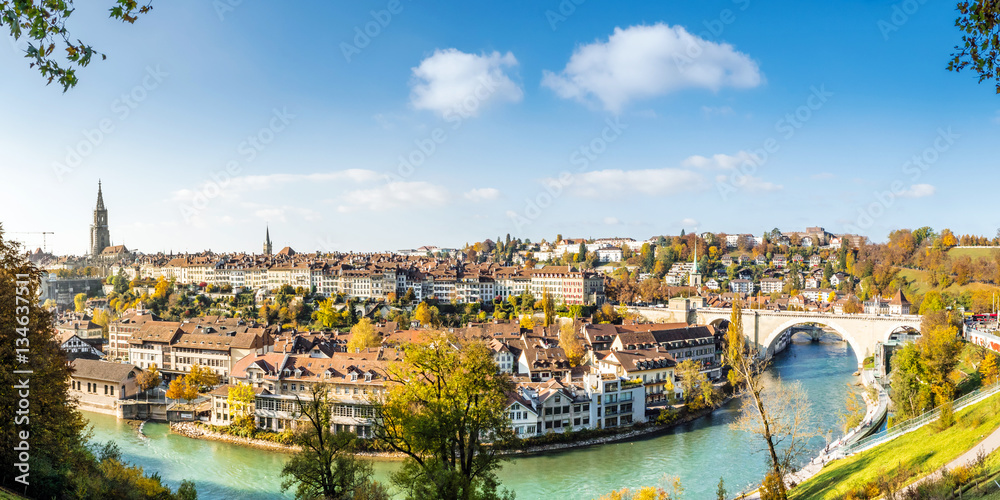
(43,233)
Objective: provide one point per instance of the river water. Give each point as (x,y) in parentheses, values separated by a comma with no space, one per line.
(698,453)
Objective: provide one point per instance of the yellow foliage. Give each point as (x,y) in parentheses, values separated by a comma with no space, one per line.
(363,336)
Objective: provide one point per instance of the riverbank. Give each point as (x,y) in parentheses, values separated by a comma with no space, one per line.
(920,452)
(222,470)
(875,410)
(197,430)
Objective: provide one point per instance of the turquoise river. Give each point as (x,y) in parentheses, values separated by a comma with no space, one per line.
(698,453)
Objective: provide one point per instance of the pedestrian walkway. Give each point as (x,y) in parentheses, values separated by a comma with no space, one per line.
(985,447)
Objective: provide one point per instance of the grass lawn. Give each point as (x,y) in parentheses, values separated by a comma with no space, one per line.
(925,449)
(6,495)
(920,284)
(973,253)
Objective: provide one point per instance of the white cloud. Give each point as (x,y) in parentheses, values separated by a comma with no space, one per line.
(646,61)
(689,223)
(918,191)
(451,81)
(650,182)
(720,161)
(612,221)
(822,176)
(482,194)
(411,195)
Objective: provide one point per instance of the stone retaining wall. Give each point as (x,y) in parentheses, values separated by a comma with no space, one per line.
(195,431)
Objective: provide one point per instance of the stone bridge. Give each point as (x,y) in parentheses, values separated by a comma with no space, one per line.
(765,328)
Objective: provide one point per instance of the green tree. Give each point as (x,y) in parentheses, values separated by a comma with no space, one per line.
(548,308)
(910,394)
(363,336)
(187,491)
(979,22)
(120,282)
(56,428)
(326,467)
(447,399)
(692,383)
(43,24)
(720,493)
(939,349)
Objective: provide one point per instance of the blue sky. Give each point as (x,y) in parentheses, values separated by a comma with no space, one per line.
(524,117)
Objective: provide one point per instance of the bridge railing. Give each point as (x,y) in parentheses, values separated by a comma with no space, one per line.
(894,317)
(915,423)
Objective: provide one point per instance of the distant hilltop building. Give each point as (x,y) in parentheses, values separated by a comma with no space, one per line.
(100,237)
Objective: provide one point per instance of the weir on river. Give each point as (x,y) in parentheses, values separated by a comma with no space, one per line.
(698,453)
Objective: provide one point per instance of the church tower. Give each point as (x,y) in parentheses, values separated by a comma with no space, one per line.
(694,279)
(267,241)
(100,237)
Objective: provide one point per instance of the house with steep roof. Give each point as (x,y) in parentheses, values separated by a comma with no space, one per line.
(654,367)
(75,347)
(100,386)
(697,343)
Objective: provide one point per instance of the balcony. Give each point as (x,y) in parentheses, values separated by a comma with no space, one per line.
(631,384)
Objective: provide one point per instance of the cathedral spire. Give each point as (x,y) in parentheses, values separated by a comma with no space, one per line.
(100,196)
(100,238)
(267,241)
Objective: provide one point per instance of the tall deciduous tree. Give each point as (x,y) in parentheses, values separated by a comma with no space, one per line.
(776,414)
(990,369)
(446,401)
(548,307)
(570,343)
(939,348)
(180,388)
(363,336)
(202,377)
(911,395)
(241,399)
(326,466)
(55,428)
(148,379)
(695,385)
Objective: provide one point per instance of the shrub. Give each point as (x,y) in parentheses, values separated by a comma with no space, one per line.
(947,418)
(666,417)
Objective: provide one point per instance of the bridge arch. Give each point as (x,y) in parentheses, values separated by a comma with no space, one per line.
(896,328)
(856,346)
